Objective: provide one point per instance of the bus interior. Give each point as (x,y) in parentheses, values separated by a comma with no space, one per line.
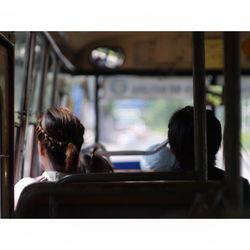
(124,87)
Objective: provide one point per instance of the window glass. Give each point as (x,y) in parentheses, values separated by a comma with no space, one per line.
(134,111)
(245,126)
(20,56)
(83,105)
(78,94)
(33,105)
(219,110)
(30,144)
(48,90)
(64,83)
(37,75)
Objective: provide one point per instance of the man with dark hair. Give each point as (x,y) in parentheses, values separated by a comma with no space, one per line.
(181,137)
(181,140)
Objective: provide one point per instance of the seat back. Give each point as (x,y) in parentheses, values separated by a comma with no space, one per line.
(145,199)
(130,176)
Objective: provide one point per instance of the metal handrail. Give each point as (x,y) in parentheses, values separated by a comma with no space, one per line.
(95,145)
(104,152)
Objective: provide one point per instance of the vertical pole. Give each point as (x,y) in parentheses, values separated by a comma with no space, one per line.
(232,117)
(200,138)
(96,109)
(7,129)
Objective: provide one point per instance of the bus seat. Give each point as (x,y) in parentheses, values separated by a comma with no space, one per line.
(148,199)
(130,176)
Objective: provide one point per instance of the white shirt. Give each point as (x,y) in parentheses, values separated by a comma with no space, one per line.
(46,176)
(162,160)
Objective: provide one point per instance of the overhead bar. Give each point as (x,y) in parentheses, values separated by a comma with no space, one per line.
(125,152)
(199,90)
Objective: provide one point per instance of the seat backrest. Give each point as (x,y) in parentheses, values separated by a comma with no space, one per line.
(130,176)
(145,199)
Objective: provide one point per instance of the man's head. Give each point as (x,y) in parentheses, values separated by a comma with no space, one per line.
(181,136)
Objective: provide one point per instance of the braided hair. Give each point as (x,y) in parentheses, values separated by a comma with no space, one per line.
(61,133)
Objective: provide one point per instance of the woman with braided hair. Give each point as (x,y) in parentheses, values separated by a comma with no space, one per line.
(60,137)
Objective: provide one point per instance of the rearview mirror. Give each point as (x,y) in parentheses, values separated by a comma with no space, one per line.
(107,58)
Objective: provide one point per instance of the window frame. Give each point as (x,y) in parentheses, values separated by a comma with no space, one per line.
(7,185)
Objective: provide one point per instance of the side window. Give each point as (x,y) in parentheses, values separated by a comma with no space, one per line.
(21,47)
(63,97)
(20,56)
(49,82)
(245,126)
(83,105)
(37,77)
(34,107)
(78,94)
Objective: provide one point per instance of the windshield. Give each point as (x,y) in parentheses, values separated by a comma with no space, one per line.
(134,110)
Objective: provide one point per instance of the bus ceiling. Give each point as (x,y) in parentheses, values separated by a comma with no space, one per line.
(145,53)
